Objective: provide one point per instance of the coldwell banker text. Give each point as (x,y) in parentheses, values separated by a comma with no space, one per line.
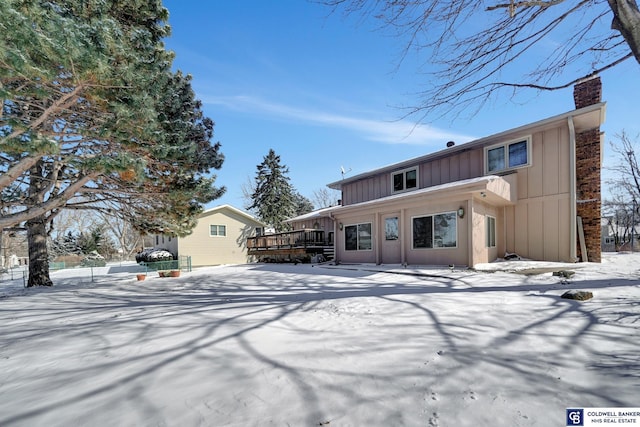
(602,416)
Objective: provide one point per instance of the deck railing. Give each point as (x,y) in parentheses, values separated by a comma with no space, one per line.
(288,239)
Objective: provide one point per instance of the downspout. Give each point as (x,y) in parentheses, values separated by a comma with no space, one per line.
(573,225)
(335,238)
(378,244)
(403,240)
(470,243)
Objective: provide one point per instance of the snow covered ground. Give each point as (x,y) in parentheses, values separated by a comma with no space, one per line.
(303,345)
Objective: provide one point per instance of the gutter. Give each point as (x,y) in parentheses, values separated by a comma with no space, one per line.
(573,222)
(481,142)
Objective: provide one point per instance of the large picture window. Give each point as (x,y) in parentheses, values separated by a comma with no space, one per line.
(507,156)
(491,232)
(218,230)
(357,237)
(404,180)
(435,231)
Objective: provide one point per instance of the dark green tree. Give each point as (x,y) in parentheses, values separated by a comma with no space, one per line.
(94,118)
(303,205)
(65,244)
(274,197)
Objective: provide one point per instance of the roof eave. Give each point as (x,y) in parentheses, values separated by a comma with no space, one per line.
(595,115)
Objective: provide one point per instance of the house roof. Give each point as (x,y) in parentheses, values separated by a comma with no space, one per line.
(584,118)
(237,211)
(496,189)
(318,213)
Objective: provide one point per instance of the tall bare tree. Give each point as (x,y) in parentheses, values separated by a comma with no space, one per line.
(325,197)
(622,209)
(472,49)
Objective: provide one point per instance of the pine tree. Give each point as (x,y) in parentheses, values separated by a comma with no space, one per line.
(274,197)
(303,205)
(93,117)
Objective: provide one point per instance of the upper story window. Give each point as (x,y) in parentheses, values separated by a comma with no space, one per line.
(404,180)
(510,155)
(218,230)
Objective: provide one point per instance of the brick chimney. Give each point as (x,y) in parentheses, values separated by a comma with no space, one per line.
(587,92)
(588,166)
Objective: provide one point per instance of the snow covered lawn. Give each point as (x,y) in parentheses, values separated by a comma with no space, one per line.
(285,345)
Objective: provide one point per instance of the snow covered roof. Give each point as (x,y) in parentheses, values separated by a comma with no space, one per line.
(318,213)
(232,209)
(498,190)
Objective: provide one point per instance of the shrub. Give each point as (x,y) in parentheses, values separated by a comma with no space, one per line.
(94,259)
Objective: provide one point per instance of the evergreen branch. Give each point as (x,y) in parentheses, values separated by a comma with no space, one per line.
(53,203)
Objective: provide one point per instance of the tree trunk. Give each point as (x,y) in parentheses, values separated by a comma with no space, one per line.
(37,229)
(626,19)
(38,253)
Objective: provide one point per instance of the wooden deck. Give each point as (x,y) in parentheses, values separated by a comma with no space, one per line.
(290,245)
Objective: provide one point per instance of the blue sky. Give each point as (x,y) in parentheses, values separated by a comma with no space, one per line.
(326,92)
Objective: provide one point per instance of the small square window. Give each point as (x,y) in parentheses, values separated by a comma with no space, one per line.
(218,230)
(404,180)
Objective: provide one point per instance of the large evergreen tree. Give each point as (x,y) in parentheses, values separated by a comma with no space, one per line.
(274,197)
(302,204)
(93,117)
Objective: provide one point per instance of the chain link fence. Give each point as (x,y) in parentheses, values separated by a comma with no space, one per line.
(95,271)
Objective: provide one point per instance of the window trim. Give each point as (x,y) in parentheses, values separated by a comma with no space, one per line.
(488,231)
(218,230)
(404,179)
(527,139)
(344,233)
(433,246)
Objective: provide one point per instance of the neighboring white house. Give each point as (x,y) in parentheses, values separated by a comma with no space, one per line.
(219,237)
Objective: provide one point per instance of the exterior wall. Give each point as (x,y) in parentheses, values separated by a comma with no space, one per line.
(213,250)
(438,256)
(539,225)
(480,252)
(458,166)
(321,223)
(364,256)
(385,252)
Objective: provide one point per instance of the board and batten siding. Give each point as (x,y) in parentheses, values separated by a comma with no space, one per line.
(538,226)
(443,170)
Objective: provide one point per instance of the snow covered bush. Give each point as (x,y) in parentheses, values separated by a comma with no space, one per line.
(93,259)
(162,259)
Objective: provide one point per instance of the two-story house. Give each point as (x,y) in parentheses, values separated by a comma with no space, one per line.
(533,190)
